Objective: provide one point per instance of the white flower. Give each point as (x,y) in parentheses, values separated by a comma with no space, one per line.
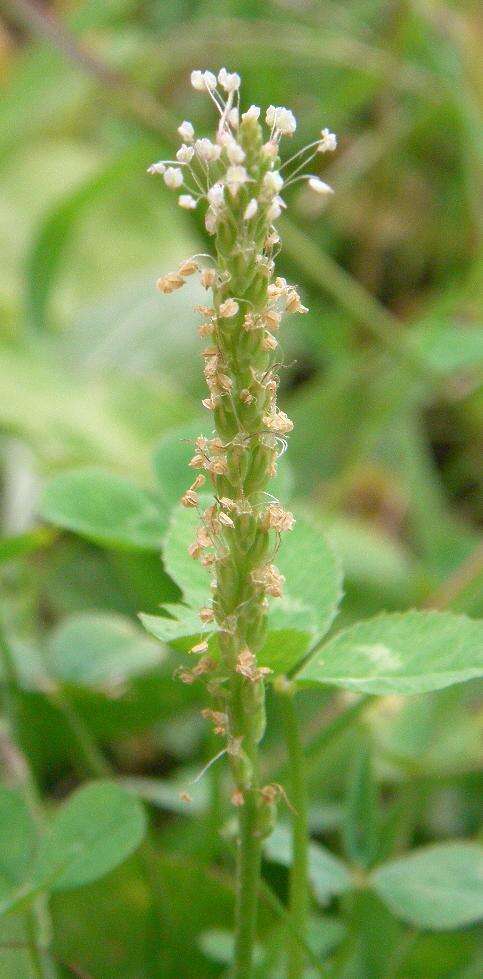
(187,201)
(328,142)
(173,177)
(197,80)
(273,182)
(274,212)
(281,119)
(230,81)
(236,176)
(157,167)
(251,209)
(185,153)
(216,195)
(207,151)
(234,118)
(270,150)
(211,218)
(253,113)
(275,209)
(202,80)
(224,138)
(319,186)
(186,131)
(234,152)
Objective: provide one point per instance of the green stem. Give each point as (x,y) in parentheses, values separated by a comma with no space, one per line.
(249,852)
(38,916)
(93,761)
(298,797)
(248,874)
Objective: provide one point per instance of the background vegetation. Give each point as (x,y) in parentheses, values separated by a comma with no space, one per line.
(96,370)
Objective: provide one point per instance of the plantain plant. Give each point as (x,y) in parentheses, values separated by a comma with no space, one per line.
(236,179)
(246,616)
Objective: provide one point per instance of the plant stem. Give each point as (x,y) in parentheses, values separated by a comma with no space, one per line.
(297,791)
(244,709)
(38,916)
(248,873)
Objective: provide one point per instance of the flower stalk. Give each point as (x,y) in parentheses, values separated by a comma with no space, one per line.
(237,177)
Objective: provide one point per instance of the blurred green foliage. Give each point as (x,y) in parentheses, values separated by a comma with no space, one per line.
(382,380)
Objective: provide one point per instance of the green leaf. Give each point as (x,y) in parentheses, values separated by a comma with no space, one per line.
(191,577)
(291,630)
(219,944)
(184,624)
(312,572)
(329,875)
(313,587)
(447,347)
(44,260)
(402,653)
(19,545)
(105,508)
(435,887)
(17,836)
(96,648)
(96,829)
(282,650)
(361,816)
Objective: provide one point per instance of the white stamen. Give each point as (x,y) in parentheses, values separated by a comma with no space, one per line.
(173,177)
(187,201)
(319,186)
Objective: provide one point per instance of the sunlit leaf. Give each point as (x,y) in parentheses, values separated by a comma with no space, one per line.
(97,647)
(312,572)
(329,876)
(438,886)
(412,652)
(105,508)
(17,836)
(93,832)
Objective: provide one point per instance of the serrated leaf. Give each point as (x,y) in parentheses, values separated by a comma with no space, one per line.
(98,647)
(436,887)
(402,653)
(312,572)
(360,825)
(99,826)
(329,875)
(105,508)
(184,624)
(282,649)
(313,587)
(191,577)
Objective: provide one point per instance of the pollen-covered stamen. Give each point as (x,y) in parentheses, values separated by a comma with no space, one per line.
(276,518)
(246,666)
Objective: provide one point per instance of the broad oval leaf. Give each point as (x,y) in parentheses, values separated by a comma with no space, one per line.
(97,647)
(185,623)
(328,874)
(403,653)
(312,572)
(435,887)
(99,826)
(191,577)
(106,508)
(313,586)
(283,648)
(17,836)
